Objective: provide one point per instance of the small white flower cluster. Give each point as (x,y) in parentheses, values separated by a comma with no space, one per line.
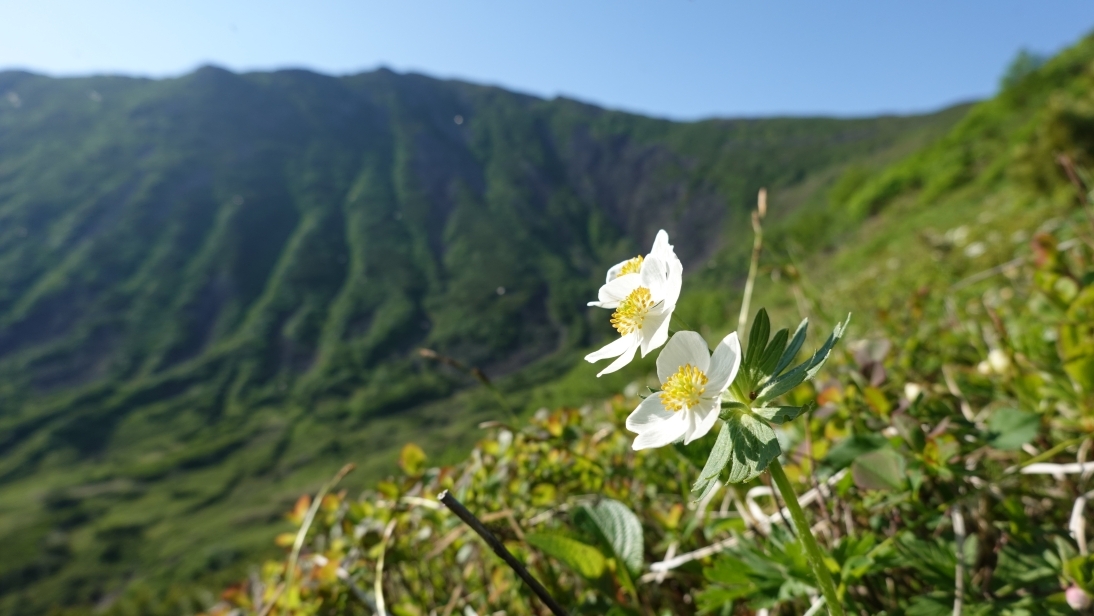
(643,292)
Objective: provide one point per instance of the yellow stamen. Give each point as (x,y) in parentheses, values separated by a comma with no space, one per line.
(633,266)
(683,389)
(632,311)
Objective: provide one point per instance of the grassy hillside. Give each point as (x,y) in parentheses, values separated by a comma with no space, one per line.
(969,266)
(212,288)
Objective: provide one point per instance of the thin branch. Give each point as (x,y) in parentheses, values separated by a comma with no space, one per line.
(959,569)
(757,246)
(816,607)
(499,548)
(378,585)
(1045,468)
(451,605)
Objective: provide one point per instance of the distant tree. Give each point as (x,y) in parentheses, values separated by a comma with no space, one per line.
(1023,64)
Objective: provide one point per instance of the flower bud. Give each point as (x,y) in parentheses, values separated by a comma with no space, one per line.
(1077,598)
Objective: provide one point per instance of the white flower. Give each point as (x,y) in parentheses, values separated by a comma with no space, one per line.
(661,249)
(692,382)
(643,292)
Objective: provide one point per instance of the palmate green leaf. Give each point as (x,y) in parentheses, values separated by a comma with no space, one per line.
(792,348)
(782,414)
(619,528)
(804,371)
(1012,428)
(583,559)
(716,463)
(773,352)
(754,446)
(757,341)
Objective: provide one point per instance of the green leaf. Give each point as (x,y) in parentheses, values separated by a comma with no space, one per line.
(412,459)
(773,352)
(781,414)
(792,349)
(581,558)
(882,469)
(1080,570)
(803,371)
(1012,428)
(708,488)
(620,529)
(852,447)
(1075,340)
(716,463)
(757,341)
(754,446)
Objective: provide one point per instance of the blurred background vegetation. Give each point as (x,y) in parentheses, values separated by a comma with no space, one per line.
(215,288)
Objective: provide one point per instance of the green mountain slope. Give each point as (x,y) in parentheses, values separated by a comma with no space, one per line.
(969,268)
(212,288)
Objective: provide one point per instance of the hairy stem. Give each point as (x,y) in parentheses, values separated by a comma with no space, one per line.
(812,548)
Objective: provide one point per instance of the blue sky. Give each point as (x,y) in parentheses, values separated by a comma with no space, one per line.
(682,59)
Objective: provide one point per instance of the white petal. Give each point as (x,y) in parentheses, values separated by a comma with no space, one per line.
(703,417)
(613,271)
(661,433)
(650,411)
(625,358)
(674,279)
(661,245)
(724,364)
(655,331)
(613,349)
(612,293)
(654,275)
(683,348)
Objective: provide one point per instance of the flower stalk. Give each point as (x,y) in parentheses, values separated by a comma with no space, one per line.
(812,548)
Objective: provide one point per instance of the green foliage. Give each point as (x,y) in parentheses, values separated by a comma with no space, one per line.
(1023,65)
(213,289)
(221,305)
(958,379)
(619,528)
(585,560)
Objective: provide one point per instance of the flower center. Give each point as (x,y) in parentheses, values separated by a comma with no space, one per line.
(632,311)
(682,390)
(633,266)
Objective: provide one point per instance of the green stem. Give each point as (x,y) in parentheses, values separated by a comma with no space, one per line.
(812,548)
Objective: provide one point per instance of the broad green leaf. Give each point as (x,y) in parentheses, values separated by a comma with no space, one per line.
(1012,428)
(620,529)
(754,446)
(773,352)
(716,463)
(583,559)
(791,351)
(882,469)
(757,342)
(852,447)
(803,371)
(781,414)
